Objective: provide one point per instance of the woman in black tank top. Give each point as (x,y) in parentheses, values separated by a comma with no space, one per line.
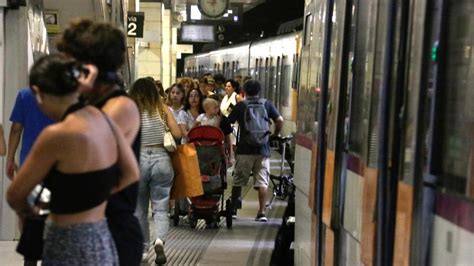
(78,163)
(104,45)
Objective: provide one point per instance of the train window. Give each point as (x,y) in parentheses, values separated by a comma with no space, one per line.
(273,93)
(308,30)
(457,117)
(378,73)
(226,69)
(256,69)
(264,79)
(412,91)
(285,81)
(278,83)
(294,74)
(232,74)
(261,70)
(337,39)
(362,77)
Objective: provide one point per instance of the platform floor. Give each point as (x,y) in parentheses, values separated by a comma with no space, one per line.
(248,242)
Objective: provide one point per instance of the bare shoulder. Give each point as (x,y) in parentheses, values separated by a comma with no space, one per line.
(122,104)
(122,109)
(124,112)
(238,98)
(55,137)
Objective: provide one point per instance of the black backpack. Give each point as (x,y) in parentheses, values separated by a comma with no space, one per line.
(256,123)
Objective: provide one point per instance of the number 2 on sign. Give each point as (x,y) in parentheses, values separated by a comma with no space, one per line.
(132,29)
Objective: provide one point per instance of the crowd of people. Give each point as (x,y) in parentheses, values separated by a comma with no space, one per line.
(99,148)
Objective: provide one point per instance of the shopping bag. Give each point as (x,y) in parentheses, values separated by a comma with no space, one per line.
(187,180)
(31,239)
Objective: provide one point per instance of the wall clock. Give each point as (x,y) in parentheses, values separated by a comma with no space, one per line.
(213,8)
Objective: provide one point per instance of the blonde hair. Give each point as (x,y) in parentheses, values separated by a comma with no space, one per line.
(209,101)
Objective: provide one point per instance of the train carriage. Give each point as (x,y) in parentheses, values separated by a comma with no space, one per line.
(272,61)
(384,149)
(381,100)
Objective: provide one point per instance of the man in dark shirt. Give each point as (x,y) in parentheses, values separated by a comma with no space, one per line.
(250,158)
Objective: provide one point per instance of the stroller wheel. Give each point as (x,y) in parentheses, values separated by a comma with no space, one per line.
(228,213)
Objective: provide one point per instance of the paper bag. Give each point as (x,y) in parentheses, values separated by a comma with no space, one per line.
(187,180)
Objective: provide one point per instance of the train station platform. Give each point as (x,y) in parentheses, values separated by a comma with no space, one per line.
(248,242)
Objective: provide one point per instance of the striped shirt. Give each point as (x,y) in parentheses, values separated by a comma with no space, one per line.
(153,129)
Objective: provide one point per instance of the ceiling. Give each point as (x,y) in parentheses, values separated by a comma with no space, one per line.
(247,4)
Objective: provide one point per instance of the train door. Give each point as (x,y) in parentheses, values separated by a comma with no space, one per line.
(307,235)
(443,173)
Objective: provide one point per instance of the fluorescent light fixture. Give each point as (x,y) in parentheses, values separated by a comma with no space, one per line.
(195,13)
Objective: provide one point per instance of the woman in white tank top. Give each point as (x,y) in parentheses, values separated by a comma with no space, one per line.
(231,98)
(156,171)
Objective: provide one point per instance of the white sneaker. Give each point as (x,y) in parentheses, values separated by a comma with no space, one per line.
(160,252)
(145,256)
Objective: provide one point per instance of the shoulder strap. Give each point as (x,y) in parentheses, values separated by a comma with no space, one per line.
(110,125)
(163,116)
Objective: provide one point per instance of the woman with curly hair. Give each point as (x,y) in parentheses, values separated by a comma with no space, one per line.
(104,45)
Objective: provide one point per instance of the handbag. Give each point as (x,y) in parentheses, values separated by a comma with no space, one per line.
(168,140)
(187,180)
(31,239)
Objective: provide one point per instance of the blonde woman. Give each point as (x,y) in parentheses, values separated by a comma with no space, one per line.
(156,171)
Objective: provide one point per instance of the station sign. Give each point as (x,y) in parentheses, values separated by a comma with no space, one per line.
(135,21)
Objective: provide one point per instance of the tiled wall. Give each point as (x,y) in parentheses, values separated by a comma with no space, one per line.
(157,49)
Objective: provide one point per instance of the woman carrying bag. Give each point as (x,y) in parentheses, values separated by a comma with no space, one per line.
(81,159)
(156,170)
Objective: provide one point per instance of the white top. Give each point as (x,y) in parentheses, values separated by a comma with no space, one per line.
(153,129)
(206,121)
(186,118)
(176,112)
(228,102)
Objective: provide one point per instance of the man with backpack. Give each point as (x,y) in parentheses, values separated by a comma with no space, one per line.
(253,148)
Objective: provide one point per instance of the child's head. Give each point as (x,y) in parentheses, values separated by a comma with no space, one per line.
(176,94)
(211,106)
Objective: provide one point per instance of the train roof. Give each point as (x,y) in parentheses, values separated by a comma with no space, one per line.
(246,44)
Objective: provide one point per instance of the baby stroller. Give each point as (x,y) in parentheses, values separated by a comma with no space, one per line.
(209,142)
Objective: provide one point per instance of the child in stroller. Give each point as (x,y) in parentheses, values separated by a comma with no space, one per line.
(209,142)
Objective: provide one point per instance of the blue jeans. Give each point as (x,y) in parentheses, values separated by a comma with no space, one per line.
(156,179)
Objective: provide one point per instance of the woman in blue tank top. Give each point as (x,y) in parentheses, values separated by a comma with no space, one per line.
(78,161)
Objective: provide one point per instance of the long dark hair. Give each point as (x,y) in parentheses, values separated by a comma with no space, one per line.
(187,106)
